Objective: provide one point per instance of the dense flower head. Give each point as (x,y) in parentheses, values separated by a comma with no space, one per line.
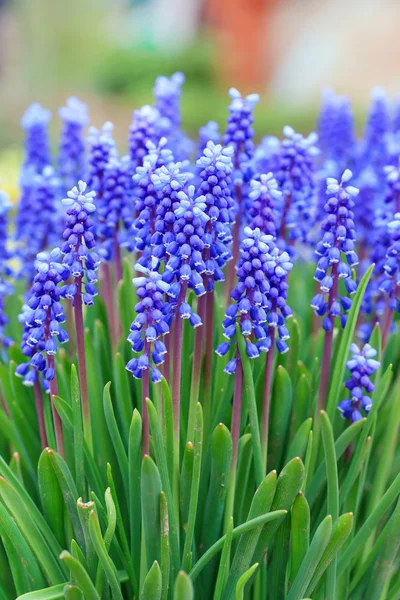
(210,131)
(151,323)
(101,149)
(78,248)
(392,176)
(167,92)
(71,157)
(143,129)
(184,249)
(361,366)
(374,150)
(295,177)
(116,209)
(337,243)
(239,132)
(266,155)
(336,128)
(42,317)
(390,284)
(259,297)
(262,198)
(37,147)
(5,287)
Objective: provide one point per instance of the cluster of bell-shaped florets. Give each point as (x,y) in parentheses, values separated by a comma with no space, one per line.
(5,271)
(37,146)
(116,208)
(336,252)
(209,132)
(143,129)
(101,149)
(295,175)
(239,132)
(374,149)
(79,246)
(263,197)
(152,321)
(361,366)
(71,156)
(42,317)
(259,306)
(390,284)
(336,137)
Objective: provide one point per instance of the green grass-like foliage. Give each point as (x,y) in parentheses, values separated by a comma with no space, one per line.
(319,517)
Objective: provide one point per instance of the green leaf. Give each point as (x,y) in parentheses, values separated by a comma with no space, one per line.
(116,438)
(245,549)
(123,396)
(80,575)
(251,405)
(48,562)
(299,443)
(186,484)
(243,580)
(77,424)
(150,494)
(333,491)
(289,484)
(240,530)
(311,560)
(165,548)
(340,532)
(104,558)
(224,562)
(72,592)
(168,430)
(300,539)
(152,584)
(52,593)
(135,465)
(51,497)
(281,408)
(84,511)
(183,587)
(339,365)
(194,494)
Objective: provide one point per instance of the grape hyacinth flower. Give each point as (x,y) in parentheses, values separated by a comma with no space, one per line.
(209,132)
(262,198)
(82,261)
(42,318)
(143,129)
(5,271)
(151,324)
(374,150)
(167,92)
(37,147)
(239,134)
(295,177)
(361,366)
(115,211)
(101,149)
(390,284)
(71,156)
(337,244)
(336,129)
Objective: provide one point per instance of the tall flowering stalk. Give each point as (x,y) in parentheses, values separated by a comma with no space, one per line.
(260,309)
(82,261)
(37,146)
(361,366)
(374,144)
(337,243)
(5,286)
(263,197)
(143,129)
(239,134)
(390,283)
(71,155)
(151,324)
(336,137)
(42,318)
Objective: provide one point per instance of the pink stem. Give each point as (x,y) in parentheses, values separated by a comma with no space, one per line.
(231,271)
(40,413)
(80,344)
(327,351)
(267,393)
(177,361)
(236,410)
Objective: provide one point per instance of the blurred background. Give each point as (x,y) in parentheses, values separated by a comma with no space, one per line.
(109,52)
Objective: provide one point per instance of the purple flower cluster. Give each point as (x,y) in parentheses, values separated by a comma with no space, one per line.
(259,298)
(152,322)
(361,366)
(338,241)
(37,147)
(263,196)
(390,285)
(143,129)
(374,151)
(80,258)
(101,149)
(167,92)
(41,318)
(336,137)
(295,175)
(239,132)
(5,287)
(71,156)
(210,132)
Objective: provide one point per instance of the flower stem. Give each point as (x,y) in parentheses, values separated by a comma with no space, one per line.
(118,278)
(386,324)
(80,345)
(267,396)
(56,417)
(40,413)
(231,271)
(208,359)
(327,351)
(108,299)
(235,432)
(145,394)
(196,368)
